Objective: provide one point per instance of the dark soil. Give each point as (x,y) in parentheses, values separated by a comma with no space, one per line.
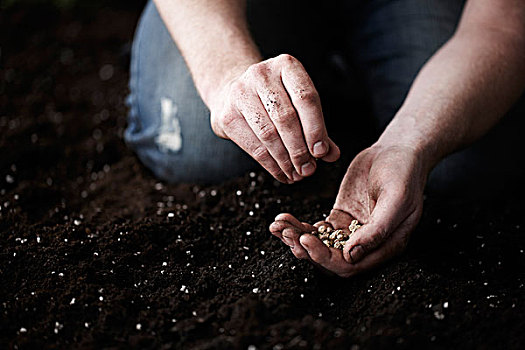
(95,252)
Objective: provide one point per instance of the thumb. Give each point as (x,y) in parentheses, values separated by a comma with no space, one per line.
(385,218)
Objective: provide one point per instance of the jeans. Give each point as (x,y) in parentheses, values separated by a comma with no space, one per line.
(388,41)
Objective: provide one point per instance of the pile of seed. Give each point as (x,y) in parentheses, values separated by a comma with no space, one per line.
(335,238)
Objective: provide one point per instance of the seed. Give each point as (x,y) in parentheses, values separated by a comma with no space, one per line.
(321,229)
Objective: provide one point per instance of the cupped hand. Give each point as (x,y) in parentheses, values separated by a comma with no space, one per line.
(383,190)
(273,112)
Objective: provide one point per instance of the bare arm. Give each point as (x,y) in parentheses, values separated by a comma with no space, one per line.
(213,37)
(468,85)
(270,108)
(463,90)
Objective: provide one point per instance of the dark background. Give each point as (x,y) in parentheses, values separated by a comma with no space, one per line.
(95,252)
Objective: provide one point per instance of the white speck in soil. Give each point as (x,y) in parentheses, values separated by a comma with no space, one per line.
(246,258)
(61,274)
(213,193)
(445,305)
(86,324)
(101,298)
(72,302)
(302,296)
(248,233)
(23,330)
(252,347)
(239,192)
(439,315)
(138,326)
(173,320)
(183,288)
(38,239)
(164,264)
(262,252)
(250,213)
(76,222)
(256,206)
(255,290)
(171,215)
(9,179)
(194,313)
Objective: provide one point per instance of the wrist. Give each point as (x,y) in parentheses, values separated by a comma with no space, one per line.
(405,132)
(212,90)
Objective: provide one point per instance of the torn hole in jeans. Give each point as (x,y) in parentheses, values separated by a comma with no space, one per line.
(169,138)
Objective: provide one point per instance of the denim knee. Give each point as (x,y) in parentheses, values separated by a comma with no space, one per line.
(168,123)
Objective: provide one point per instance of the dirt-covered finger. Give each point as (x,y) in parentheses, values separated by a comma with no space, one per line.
(263,127)
(240,132)
(284,116)
(307,103)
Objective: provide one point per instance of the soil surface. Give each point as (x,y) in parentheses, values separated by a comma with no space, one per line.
(95,252)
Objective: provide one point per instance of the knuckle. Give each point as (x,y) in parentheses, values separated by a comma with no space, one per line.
(308,96)
(285,117)
(286,58)
(229,120)
(267,132)
(260,154)
(257,70)
(316,131)
(299,154)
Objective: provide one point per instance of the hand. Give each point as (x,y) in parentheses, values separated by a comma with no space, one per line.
(383,189)
(273,112)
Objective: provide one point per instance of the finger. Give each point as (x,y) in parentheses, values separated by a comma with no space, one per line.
(277,227)
(302,226)
(307,103)
(340,219)
(316,249)
(257,118)
(292,235)
(237,129)
(386,216)
(333,152)
(284,117)
(392,247)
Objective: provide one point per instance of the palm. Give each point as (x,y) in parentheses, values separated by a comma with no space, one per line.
(381,188)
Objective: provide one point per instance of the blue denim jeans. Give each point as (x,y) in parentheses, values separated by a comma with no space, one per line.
(389,41)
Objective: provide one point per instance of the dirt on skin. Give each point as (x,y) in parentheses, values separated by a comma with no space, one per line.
(95,252)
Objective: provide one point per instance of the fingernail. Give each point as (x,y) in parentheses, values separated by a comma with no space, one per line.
(356,253)
(296,177)
(319,149)
(307,169)
(289,181)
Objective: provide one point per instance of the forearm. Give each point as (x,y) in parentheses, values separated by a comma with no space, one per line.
(213,37)
(464,89)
